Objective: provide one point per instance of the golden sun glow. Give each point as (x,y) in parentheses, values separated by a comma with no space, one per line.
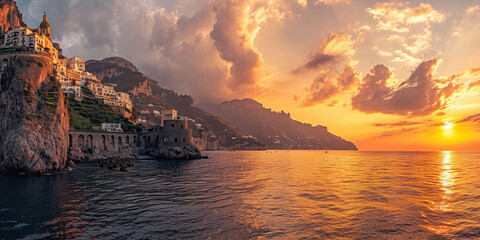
(448,126)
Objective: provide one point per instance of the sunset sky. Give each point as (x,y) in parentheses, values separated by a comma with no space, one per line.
(386,75)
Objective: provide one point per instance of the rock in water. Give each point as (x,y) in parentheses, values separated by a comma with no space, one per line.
(34,121)
(189,152)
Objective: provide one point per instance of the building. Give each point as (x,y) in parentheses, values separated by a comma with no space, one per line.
(76,63)
(74,77)
(169,114)
(111,127)
(24,39)
(73,92)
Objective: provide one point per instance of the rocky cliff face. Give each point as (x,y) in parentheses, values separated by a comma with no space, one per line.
(33,118)
(10,17)
(276,129)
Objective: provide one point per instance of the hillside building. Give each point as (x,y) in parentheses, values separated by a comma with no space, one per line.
(25,39)
(111,127)
(168,114)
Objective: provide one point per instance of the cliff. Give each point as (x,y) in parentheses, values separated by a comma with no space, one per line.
(149,97)
(10,17)
(33,117)
(277,130)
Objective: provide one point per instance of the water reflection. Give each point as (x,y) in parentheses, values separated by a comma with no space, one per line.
(447,186)
(245,195)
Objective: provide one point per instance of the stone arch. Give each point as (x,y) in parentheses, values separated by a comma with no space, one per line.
(70,140)
(183,139)
(120,143)
(5,64)
(149,141)
(3,82)
(181,127)
(90,142)
(176,140)
(104,142)
(112,141)
(157,141)
(81,141)
(134,139)
(173,125)
(144,141)
(127,141)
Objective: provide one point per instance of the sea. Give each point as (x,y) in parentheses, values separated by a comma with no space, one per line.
(253,195)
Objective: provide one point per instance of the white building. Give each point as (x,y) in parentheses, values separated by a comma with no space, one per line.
(36,40)
(111,127)
(73,91)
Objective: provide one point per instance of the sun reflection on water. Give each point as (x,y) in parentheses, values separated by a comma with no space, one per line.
(447,184)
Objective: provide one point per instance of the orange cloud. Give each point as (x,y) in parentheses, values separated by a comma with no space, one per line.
(304,3)
(336,48)
(473,9)
(397,16)
(419,95)
(237,24)
(327,85)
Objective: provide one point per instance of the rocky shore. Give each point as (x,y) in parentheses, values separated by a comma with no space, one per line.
(189,152)
(122,160)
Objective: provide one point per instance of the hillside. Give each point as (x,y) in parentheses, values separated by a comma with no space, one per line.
(91,112)
(276,129)
(148,97)
(10,16)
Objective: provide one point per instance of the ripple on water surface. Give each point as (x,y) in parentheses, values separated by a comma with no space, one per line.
(244,195)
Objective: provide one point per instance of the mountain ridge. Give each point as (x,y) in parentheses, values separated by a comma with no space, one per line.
(276,129)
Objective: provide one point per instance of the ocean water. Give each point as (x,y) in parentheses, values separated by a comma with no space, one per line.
(253,195)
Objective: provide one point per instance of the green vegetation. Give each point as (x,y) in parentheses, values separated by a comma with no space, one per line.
(31,116)
(91,112)
(50,95)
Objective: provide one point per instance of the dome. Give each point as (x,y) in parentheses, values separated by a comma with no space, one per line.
(44,23)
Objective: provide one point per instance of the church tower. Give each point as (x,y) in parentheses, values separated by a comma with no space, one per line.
(44,28)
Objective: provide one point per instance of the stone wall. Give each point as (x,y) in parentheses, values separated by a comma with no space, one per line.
(94,142)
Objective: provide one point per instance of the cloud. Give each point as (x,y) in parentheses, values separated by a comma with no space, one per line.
(236,26)
(397,124)
(419,95)
(204,48)
(326,85)
(336,48)
(472,118)
(396,16)
(473,9)
(304,3)
(397,132)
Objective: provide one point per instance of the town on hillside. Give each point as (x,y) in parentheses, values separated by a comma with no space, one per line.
(73,76)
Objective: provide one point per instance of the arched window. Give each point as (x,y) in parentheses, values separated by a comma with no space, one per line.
(176,140)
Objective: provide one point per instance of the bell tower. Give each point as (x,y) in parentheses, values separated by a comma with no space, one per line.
(44,28)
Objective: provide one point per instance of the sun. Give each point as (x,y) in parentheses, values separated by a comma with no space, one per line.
(448,126)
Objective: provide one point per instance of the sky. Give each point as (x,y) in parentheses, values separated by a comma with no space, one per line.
(387,75)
